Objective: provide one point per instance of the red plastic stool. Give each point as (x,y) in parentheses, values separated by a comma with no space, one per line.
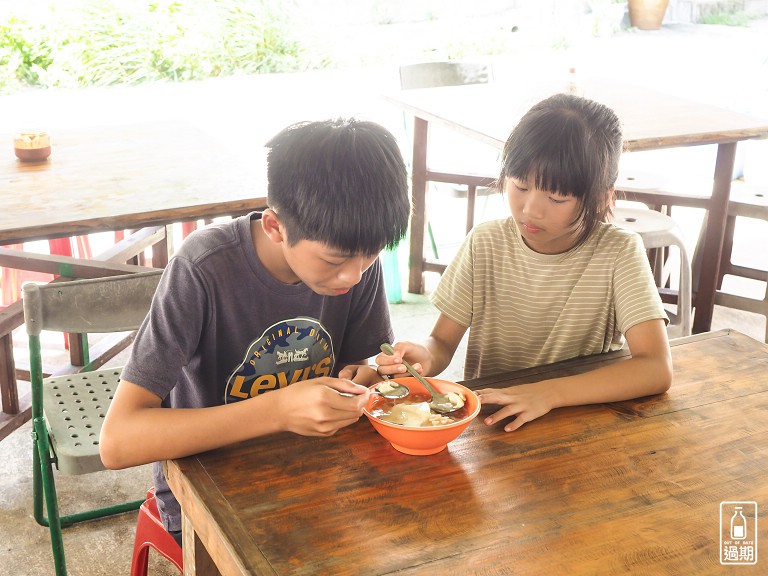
(150,533)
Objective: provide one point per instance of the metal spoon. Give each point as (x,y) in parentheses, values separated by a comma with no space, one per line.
(440,402)
(396,390)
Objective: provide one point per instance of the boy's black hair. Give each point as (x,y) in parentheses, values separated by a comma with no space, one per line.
(340,182)
(571,146)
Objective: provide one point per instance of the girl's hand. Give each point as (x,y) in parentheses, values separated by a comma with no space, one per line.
(525,402)
(360,374)
(316,407)
(416,355)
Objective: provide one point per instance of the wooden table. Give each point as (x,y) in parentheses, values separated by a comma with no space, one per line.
(126,176)
(628,487)
(651,120)
(112,178)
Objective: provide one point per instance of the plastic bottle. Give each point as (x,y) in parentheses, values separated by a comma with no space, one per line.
(573,83)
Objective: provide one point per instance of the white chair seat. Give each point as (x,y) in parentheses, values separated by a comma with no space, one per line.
(660,231)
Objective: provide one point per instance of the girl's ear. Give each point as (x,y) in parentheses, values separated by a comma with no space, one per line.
(270,224)
(611,199)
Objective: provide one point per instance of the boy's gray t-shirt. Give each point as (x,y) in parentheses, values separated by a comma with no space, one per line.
(222,329)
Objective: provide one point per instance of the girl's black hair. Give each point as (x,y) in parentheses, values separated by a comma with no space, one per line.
(570,146)
(340,182)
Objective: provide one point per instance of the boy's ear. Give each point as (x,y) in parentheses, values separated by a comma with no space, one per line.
(270,224)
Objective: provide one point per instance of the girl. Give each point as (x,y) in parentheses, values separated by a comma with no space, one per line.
(555,280)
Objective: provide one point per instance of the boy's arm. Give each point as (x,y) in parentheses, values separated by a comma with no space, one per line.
(648,371)
(137,430)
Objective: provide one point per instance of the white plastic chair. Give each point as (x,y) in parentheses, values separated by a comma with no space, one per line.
(660,231)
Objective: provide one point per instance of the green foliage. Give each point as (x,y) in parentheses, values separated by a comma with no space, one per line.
(726,18)
(496,41)
(25,54)
(104,42)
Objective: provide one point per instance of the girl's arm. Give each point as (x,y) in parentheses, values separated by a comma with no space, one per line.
(429,358)
(648,371)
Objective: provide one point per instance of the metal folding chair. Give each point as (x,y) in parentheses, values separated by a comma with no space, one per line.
(68,411)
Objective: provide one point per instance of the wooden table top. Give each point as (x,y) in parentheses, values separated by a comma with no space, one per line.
(126,176)
(628,487)
(650,119)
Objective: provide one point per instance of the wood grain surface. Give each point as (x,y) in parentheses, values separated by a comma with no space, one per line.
(126,176)
(625,488)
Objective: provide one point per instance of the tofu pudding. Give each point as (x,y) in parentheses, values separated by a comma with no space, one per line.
(414,411)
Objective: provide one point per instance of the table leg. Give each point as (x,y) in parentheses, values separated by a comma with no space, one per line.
(8,389)
(419,197)
(78,349)
(197,561)
(161,249)
(713,238)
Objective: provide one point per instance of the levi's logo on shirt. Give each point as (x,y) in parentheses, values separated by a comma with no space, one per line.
(287,352)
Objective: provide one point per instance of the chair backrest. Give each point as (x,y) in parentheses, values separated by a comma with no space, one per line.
(112,304)
(450,73)
(658,230)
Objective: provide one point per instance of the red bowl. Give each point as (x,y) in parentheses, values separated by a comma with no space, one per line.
(423,440)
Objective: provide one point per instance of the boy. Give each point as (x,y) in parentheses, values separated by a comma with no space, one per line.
(259,323)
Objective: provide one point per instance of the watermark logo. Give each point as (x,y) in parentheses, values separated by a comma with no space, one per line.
(738,533)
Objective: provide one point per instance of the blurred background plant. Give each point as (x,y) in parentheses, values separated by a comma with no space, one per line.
(104,42)
(78,43)
(25,54)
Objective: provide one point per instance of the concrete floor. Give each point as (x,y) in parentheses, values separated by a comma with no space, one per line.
(104,547)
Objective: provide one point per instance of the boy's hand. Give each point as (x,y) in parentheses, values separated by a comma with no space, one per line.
(525,402)
(416,354)
(316,407)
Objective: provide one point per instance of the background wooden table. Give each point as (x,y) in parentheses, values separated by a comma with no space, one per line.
(627,487)
(126,176)
(651,120)
(113,178)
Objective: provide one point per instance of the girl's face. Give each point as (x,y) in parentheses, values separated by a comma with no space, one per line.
(544,218)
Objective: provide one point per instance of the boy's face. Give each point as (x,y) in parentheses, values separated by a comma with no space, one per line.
(544,218)
(323,269)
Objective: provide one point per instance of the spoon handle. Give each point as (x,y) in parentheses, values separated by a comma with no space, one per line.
(388,350)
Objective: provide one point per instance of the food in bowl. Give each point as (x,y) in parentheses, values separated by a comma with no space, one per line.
(411,427)
(414,410)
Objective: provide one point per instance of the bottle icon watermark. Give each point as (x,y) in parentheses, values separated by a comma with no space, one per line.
(738,533)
